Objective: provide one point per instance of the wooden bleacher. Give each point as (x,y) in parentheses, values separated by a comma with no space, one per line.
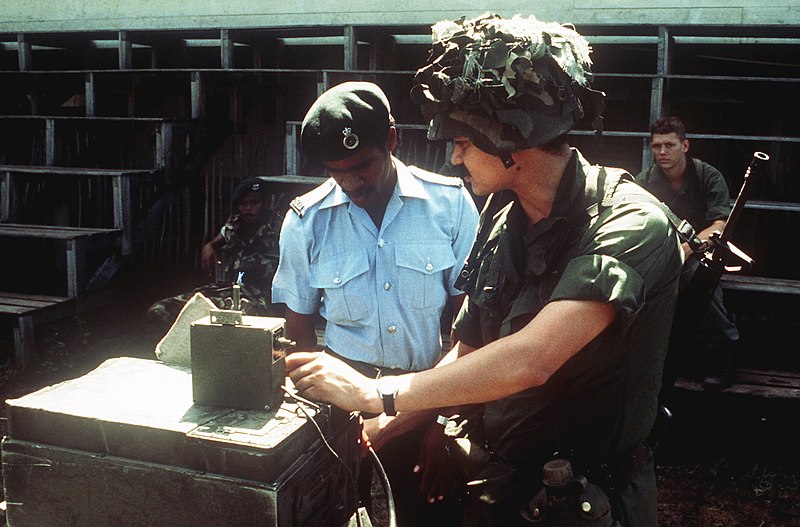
(25,311)
(760,383)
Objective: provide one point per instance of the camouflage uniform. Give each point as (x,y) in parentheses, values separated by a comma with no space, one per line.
(257,258)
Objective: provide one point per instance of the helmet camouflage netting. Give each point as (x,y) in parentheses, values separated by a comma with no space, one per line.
(506,83)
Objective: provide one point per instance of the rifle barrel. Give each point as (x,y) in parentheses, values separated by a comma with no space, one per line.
(759,158)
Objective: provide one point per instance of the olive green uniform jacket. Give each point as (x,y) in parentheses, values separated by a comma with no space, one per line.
(613,245)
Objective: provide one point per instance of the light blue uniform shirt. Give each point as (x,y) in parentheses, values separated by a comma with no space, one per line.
(381,291)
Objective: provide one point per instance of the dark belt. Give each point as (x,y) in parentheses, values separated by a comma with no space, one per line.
(364,368)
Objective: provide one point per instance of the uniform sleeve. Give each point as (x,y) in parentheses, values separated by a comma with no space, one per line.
(631,252)
(467,326)
(718,197)
(291,284)
(466,228)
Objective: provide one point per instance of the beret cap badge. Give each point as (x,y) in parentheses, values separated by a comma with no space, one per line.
(350,140)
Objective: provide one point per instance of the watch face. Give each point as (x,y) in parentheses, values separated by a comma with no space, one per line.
(387,385)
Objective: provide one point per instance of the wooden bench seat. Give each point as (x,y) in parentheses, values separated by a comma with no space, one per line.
(25,311)
(760,383)
(76,240)
(735,282)
(121,181)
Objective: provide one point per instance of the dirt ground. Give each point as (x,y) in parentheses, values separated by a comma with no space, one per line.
(724,461)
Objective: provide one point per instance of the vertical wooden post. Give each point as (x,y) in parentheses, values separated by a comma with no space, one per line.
(125,51)
(24,342)
(24,55)
(198,96)
(164,146)
(50,142)
(290,149)
(350,48)
(89,91)
(76,266)
(226,49)
(122,211)
(658,86)
(6,201)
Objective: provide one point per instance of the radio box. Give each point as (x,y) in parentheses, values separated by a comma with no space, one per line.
(125,445)
(237,363)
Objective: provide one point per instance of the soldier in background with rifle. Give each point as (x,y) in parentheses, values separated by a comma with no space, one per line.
(698,193)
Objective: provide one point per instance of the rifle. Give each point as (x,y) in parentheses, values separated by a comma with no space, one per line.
(702,273)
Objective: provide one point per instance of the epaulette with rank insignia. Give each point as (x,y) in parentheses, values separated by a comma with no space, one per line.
(438,179)
(301,203)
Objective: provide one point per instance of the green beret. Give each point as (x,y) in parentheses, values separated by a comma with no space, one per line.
(344,120)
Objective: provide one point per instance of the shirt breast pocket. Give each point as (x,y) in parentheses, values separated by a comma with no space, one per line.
(342,280)
(420,269)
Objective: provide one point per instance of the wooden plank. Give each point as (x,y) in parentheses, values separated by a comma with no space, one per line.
(768,378)
(23,304)
(772,205)
(17,310)
(762,284)
(10,297)
(756,383)
(76,171)
(56,232)
(88,118)
(294,179)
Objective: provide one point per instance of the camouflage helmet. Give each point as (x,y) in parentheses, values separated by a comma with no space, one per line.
(506,83)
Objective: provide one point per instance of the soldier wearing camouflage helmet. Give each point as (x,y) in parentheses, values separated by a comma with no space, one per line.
(571,288)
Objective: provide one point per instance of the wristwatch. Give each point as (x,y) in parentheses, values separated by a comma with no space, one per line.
(387,391)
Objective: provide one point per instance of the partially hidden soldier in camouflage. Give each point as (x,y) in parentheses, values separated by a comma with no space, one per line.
(571,289)
(244,251)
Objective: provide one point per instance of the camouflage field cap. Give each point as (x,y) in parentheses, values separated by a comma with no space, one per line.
(506,83)
(344,120)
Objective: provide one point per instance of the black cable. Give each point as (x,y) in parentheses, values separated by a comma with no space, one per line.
(301,401)
(387,487)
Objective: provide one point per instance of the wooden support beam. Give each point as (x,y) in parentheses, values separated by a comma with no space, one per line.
(122,212)
(125,51)
(24,55)
(89,94)
(658,87)
(226,49)
(50,142)
(6,182)
(350,48)
(24,342)
(198,96)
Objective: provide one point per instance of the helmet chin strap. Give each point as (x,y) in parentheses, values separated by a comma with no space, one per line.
(507,160)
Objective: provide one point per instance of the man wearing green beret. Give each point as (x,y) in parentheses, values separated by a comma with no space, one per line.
(376,251)
(571,290)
